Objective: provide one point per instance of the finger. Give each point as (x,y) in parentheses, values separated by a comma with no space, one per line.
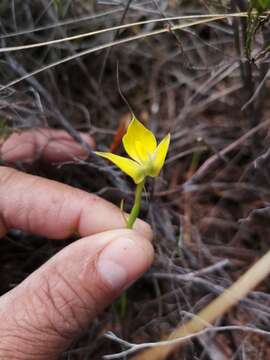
(39,318)
(48,208)
(47,144)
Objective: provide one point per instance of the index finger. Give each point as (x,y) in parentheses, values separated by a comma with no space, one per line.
(51,209)
(50,145)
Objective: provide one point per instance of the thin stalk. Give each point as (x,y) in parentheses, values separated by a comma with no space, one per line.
(110,44)
(123,300)
(203,17)
(136,206)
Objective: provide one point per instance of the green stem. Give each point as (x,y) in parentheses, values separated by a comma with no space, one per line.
(136,206)
(123,301)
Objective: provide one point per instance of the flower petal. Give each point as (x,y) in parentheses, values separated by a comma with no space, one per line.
(161,153)
(142,152)
(128,166)
(138,133)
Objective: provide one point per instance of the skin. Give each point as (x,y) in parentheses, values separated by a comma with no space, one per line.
(40,317)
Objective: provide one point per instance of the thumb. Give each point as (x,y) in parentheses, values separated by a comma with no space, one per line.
(39,318)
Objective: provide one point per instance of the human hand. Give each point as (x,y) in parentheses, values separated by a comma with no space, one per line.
(40,317)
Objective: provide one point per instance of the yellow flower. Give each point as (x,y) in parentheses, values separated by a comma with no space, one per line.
(147,158)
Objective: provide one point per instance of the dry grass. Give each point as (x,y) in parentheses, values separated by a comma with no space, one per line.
(209,210)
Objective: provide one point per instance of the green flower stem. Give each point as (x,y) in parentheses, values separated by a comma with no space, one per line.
(136,206)
(122,302)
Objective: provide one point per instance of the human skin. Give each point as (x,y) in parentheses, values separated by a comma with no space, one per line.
(40,317)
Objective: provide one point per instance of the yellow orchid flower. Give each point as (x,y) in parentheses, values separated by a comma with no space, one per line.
(147,158)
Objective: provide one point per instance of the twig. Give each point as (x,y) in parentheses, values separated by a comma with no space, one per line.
(257,91)
(137,347)
(215,159)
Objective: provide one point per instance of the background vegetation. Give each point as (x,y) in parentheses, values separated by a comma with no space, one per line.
(208,85)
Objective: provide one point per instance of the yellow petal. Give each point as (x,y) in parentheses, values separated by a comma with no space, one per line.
(128,166)
(161,153)
(142,152)
(138,133)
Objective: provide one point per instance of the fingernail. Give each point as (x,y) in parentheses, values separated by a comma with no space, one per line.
(121,262)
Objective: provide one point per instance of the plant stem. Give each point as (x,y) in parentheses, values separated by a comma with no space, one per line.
(136,206)
(122,302)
